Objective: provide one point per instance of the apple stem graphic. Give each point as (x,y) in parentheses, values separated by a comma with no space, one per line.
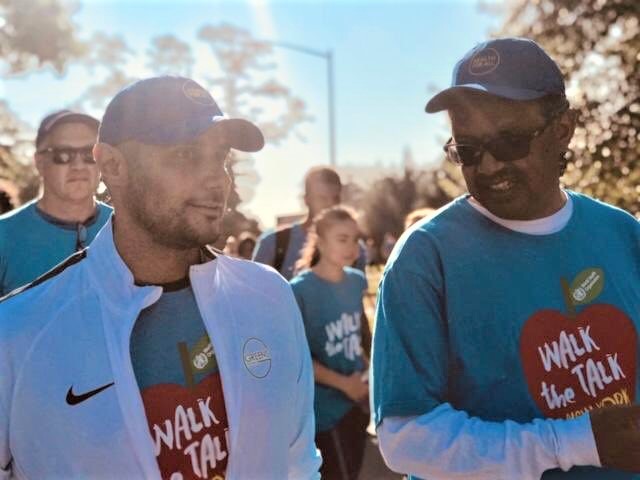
(571,309)
(185,358)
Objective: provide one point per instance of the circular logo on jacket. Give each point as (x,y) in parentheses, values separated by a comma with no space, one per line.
(484,62)
(256,357)
(197,94)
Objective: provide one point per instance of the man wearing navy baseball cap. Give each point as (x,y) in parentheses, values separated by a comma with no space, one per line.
(150,355)
(506,341)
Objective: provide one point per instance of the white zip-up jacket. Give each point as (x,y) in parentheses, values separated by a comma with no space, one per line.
(72,329)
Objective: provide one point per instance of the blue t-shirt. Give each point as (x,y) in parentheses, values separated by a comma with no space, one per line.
(32,242)
(265,250)
(332,314)
(510,326)
(178,376)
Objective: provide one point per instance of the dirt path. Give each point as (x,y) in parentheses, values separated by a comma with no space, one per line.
(373,467)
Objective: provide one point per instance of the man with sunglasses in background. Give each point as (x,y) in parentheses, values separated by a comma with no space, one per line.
(66,217)
(506,341)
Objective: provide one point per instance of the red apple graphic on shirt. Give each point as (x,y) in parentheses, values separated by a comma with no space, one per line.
(577,362)
(188,426)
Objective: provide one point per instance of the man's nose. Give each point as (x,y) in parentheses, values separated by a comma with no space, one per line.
(77,161)
(489,165)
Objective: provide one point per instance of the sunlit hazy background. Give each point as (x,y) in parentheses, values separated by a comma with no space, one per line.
(268,60)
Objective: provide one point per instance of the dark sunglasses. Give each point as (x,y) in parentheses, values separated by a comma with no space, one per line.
(507,147)
(64,155)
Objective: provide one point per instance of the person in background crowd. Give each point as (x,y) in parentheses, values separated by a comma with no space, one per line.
(6,205)
(66,217)
(231,246)
(507,324)
(246,245)
(329,293)
(149,355)
(282,248)
(416,215)
(388,242)
(372,252)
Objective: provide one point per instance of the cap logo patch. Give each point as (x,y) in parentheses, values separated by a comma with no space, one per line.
(484,62)
(197,94)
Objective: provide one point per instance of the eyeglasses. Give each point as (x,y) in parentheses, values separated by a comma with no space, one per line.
(504,148)
(64,155)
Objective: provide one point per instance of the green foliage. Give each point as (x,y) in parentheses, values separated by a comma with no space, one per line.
(18,177)
(37,33)
(386,204)
(169,55)
(239,71)
(108,59)
(596,44)
(247,87)
(34,34)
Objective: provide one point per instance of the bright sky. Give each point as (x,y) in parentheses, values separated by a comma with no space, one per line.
(387,55)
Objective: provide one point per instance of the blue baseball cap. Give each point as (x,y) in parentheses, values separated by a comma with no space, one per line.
(169,110)
(512,68)
(59,117)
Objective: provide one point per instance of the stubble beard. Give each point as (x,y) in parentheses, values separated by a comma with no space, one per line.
(167,225)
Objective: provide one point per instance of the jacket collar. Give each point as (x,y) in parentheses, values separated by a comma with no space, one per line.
(114,280)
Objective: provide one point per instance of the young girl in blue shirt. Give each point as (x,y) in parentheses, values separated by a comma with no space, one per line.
(329,293)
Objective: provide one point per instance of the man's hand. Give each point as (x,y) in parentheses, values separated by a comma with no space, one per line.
(354,388)
(617,434)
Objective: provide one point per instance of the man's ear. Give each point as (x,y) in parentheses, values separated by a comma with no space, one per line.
(38,160)
(566,126)
(112,164)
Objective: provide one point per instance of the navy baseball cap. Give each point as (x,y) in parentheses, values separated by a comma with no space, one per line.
(59,117)
(168,110)
(512,68)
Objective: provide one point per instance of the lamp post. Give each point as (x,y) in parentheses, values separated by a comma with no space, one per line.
(328,56)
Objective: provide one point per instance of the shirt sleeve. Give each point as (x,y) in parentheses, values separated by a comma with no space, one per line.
(297,293)
(448,444)
(265,249)
(304,457)
(410,353)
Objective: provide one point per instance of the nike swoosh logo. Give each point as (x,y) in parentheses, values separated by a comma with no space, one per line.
(73,399)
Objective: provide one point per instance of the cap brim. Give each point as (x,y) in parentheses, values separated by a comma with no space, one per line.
(448,97)
(242,134)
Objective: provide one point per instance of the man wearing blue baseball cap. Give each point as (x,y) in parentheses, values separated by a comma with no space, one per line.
(66,216)
(506,341)
(149,355)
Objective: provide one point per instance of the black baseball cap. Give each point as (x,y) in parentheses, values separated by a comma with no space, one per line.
(168,110)
(513,68)
(59,117)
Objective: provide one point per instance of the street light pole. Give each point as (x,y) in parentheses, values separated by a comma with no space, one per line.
(328,56)
(332,112)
